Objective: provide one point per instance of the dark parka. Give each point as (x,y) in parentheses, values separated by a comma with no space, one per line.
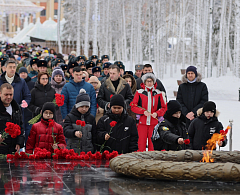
(124,136)
(27,115)
(170,130)
(159,86)
(201,129)
(16,118)
(89,138)
(40,94)
(192,96)
(21,91)
(107,89)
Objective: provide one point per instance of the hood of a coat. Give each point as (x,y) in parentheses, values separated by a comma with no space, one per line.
(40,87)
(56,85)
(199,78)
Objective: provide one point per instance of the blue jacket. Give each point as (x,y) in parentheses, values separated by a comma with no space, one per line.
(33,75)
(70,92)
(21,91)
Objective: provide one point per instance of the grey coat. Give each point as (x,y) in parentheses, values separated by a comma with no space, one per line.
(88,141)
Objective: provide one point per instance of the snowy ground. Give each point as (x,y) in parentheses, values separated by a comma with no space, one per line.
(224,91)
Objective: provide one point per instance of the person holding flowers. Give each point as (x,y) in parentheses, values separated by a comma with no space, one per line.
(41,93)
(47,133)
(57,82)
(10,112)
(117,130)
(150,104)
(80,126)
(204,126)
(172,130)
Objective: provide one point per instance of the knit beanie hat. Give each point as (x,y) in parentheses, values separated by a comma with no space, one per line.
(82,99)
(173,106)
(209,106)
(117,100)
(149,76)
(56,71)
(49,106)
(193,69)
(22,69)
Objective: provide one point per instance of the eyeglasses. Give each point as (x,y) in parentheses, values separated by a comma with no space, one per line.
(48,113)
(149,81)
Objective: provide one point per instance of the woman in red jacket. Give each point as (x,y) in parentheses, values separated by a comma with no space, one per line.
(46,134)
(150,104)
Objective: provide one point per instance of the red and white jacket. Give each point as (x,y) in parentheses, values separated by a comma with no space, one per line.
(151,100)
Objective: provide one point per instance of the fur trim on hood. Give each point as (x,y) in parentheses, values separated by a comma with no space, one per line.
(147,76)
(200,110)
(199,78)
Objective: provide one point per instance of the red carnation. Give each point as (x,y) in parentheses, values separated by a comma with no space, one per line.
(111,96)
(187,141)
(50,122)
(222,132)
(163,150)
(113,123)
(78,122)
(59,99)
(83,124)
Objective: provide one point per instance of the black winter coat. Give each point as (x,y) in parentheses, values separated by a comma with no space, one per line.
(107,89)
(201,129)
(16,118)
(89,140)
(40,94)
(170,130)
(159,84)
(124,136)
(27,115)
(192,96)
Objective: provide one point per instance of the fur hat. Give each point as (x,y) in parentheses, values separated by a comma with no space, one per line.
(106,65)
(42,63)
(149,76)
(33,61)
(56,71)
(96,69)
(105,57)
(82,99)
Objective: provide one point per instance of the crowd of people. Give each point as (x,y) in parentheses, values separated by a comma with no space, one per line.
(99,93)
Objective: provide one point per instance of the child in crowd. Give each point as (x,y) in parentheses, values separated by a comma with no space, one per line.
(204,126)
(123,137)
(96,84)
(81,138)
(46,134)
(150,104)
(172,130)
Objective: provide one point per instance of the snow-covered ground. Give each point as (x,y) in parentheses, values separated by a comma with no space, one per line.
(224,91)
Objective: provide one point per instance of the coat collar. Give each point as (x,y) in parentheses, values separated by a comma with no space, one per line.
(199,78)
(13,104)
(15,80)
(56,85)
(110,87)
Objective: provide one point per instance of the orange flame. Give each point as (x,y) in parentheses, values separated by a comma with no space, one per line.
(211,145)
